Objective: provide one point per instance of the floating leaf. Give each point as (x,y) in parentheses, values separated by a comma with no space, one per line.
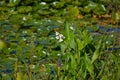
(13,3)
(44,12)
(24,9)
(73,12)
(58,5)
(2,44)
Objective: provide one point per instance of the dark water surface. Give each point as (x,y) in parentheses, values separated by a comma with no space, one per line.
(112,33)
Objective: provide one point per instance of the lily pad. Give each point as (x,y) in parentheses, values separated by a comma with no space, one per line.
(24,9)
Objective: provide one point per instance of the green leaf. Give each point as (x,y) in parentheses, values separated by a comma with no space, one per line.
(63,48)
(97,51)
(102,70)
(89,65)
(73,62)
(68,33)
(73,44)
(67,30)
(80,44)
(84,41)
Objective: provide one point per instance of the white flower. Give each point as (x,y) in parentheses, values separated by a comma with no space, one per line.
(14,1)
(103,7)
(24,32)
(57,33)
(58,54)
(44,3)
(33,36)
(113,31)
(33,66)
(59,37)
(24,39)
(49,20)
(27,44)
(34,56)
(112,35)
(11,10)
(107,42)
(44,52)
(54,3)
(59,21)
(9,48)
(92,5)
(24,18)
(39,29)
(36,22)
(60,40)
(72,28)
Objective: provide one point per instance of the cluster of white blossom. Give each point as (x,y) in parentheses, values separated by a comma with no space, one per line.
(59,37)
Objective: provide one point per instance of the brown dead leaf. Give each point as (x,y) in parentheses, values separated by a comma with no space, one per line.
(43,68)
(80,16)
(106,16)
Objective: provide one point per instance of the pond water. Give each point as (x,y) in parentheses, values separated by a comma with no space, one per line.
(112,33)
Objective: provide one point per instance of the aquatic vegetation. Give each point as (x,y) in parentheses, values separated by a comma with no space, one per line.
(58,40)
(71,53)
